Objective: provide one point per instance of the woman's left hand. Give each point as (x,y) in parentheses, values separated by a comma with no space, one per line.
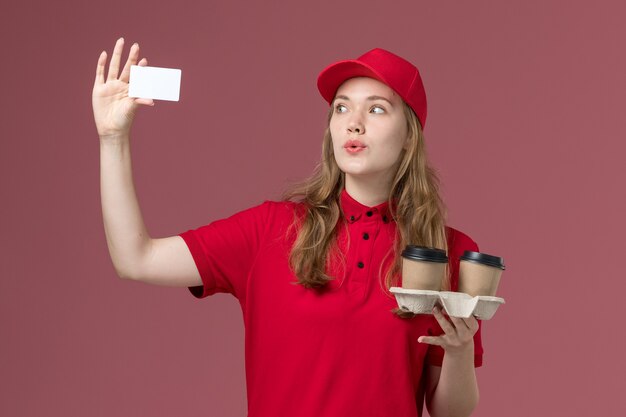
(458,334)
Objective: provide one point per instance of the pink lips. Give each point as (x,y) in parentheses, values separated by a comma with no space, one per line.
(354,146)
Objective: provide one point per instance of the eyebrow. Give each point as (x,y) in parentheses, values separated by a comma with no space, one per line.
(370,98)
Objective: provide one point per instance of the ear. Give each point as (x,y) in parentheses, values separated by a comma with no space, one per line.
(407,142)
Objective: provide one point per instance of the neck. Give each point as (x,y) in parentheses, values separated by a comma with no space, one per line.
(367,191)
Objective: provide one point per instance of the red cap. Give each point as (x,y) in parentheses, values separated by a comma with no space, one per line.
(398,73)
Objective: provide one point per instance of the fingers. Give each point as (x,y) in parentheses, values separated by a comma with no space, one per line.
(114,65)
(102,60)
(132,60)
(471,323)
(446,326)
(459,324)
(458,331)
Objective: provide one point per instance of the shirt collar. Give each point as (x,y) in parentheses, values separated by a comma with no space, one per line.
(353,210)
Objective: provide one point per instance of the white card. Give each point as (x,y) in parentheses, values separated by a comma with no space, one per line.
(154,82)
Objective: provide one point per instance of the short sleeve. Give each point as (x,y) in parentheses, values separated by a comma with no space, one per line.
(225,251)
(457,244)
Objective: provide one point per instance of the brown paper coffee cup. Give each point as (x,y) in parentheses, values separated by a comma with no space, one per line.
(479,273)
(423,268)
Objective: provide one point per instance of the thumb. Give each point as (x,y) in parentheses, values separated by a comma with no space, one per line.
(430,340)
(145,101)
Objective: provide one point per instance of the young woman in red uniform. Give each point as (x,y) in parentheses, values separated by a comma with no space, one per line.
(312,272)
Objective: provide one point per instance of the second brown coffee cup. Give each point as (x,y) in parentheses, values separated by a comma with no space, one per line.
(479,273)
(423,268)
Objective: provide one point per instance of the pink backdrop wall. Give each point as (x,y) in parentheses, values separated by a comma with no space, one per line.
(526,126)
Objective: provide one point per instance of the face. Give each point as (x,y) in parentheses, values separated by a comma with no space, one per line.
(368,129)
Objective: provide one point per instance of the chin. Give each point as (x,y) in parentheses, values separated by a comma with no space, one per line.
(352,170)
(356,173)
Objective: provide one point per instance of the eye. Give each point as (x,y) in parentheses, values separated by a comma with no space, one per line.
(340,108)
(377,110)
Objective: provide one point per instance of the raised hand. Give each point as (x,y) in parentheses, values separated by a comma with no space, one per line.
(113,110)
(458,334)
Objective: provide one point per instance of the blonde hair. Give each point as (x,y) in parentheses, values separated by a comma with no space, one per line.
(414,204)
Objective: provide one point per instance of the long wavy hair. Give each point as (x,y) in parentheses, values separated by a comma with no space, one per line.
(414,203)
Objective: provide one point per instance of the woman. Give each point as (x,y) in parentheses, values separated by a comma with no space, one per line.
(312,272)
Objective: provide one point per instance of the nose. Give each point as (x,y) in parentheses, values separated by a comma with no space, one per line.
(355,124)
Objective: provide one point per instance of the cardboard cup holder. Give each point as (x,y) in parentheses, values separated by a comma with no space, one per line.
(456,304)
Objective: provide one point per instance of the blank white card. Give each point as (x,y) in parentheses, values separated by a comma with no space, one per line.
(154,82)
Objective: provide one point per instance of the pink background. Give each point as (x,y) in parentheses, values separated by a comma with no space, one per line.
(526,126)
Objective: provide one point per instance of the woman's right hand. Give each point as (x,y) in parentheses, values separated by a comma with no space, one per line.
(113,110)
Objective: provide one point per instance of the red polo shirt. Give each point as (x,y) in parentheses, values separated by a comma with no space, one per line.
(338,352)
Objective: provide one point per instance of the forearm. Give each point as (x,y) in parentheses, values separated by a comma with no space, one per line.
(456,394)
(126,234)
